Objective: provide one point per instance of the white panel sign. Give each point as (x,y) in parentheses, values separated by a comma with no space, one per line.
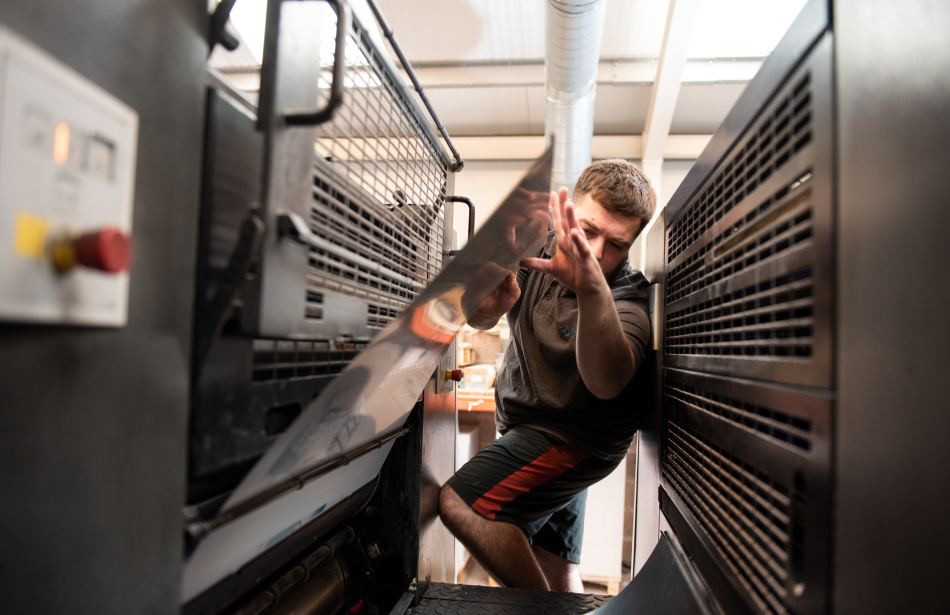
(67,166)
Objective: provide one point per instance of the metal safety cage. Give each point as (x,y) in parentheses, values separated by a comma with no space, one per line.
(312,238)
(361,231)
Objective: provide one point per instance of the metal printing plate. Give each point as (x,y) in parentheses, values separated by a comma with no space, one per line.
(372,397)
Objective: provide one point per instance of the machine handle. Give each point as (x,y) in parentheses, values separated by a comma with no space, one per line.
(319,116)
(471,218)
(217,23)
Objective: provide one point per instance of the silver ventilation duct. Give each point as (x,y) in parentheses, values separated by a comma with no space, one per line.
(571,52)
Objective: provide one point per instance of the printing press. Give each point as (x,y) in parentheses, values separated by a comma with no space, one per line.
(256,412)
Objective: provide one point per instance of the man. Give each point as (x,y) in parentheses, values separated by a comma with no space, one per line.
(579,330)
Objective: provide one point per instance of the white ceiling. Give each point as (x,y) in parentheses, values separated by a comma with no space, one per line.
(440,30)
(472,40)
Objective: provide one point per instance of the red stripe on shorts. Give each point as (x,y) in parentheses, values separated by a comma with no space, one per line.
(553,462)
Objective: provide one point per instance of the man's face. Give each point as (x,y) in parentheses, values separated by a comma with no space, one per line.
(609,234)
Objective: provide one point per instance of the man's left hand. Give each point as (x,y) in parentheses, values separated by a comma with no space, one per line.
(574,265)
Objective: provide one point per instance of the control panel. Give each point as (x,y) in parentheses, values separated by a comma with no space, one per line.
(67,177)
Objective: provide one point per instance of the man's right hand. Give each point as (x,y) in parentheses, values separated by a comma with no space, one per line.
(496,304)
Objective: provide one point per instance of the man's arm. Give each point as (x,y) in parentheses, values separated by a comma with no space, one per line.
(498,303)
(604,359)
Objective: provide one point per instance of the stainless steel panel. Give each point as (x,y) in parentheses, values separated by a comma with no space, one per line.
(647,507)
(439,439)
(439,425)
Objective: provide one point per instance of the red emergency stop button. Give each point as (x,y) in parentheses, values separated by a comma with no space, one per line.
(107,249)
(452,374)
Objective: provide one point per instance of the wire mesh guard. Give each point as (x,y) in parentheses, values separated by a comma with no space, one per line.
(379,185)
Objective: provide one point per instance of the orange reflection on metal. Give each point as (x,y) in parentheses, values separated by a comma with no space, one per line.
(61,143)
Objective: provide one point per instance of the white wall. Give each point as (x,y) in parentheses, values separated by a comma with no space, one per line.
(673,174)
(487,184)
(602,552)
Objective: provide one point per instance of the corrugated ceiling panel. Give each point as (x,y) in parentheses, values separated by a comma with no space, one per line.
(484,111)
(621,109)
(454,30)
(741,28)
(634,28)
(700,108)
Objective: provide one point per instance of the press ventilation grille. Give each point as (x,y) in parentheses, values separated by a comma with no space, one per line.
(280,360)
(774,318)
(380,316)
(767,148)
(375,138)
(773,424)
(764,232)
(404,246)
(746,514)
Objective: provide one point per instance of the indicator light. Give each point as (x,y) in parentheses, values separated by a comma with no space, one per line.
(61,143)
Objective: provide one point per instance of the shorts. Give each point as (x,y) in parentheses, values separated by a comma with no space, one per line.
(534,480)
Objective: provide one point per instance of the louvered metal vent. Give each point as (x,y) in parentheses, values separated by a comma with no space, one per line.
(777,425)
(747,356)
(747,514)
(771,318)
(405,244)
(732,251)
(380,316)
(290,359)
(745,292)
(775,140)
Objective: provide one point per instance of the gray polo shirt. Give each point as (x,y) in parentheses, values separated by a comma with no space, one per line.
(539,384)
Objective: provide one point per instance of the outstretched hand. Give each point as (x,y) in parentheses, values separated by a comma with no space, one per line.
(499,302)
(574,265)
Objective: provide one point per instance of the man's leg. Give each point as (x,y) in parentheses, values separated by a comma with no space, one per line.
(511,490)
(501,548)
(562,575)
(557,546)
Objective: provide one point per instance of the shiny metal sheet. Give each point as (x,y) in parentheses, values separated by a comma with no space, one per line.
(225,550)
(374,394)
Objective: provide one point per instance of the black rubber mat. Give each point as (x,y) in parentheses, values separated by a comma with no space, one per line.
(446,598)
